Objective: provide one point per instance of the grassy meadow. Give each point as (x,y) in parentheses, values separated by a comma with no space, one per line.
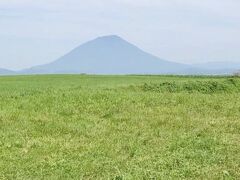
(119,127)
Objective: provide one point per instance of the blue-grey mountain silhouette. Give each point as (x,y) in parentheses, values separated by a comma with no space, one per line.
(114,55)
(5,72)
(110,55)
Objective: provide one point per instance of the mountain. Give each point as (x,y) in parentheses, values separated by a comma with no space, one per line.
(6,72)
(110,55)
(114,55)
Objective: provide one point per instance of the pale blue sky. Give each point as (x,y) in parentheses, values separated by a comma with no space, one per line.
(35,32)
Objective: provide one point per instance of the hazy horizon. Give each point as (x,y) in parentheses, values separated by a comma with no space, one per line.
(34,33)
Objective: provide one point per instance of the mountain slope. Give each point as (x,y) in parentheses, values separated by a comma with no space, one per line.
(110,55)
(5,72)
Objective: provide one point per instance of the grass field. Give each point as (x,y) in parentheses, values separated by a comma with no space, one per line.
(119,127)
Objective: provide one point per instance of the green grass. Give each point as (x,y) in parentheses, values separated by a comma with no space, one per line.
(119,127)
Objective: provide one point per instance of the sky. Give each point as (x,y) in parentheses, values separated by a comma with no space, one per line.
(187,31)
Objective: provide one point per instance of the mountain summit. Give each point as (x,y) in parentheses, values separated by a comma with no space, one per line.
(109,55)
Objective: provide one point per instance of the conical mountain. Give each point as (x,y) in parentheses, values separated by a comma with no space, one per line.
(109,55)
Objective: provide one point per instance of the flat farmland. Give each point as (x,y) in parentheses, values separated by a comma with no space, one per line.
(119,127)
